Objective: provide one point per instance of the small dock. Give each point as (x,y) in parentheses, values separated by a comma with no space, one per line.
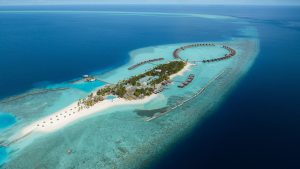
(89,78)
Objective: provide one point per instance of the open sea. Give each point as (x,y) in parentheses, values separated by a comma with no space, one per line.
(257,126)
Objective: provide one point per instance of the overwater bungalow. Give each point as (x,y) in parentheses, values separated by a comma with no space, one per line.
(181,86)
(185,83)
(231,51)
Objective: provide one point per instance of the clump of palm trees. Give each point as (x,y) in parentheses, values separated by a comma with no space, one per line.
(132,87)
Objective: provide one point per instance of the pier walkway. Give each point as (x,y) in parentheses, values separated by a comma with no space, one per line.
(144,62)
(103,81)
(178,50)
(231,53)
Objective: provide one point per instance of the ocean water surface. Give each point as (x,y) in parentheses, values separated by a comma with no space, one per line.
(46,50)
(6,120)
(3,155)
(258,125)
(37,47)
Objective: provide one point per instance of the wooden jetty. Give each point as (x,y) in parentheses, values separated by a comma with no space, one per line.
(144,62)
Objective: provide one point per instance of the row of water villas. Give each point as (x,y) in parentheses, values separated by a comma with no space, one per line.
(232,52)
(176,52)
(187,81)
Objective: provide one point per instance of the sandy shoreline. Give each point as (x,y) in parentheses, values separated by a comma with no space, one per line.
(71,113)
(161,136)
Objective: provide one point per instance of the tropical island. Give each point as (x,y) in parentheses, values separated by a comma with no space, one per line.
(187,74)
(126,115)
(143,85)
(144,82)
(136,87)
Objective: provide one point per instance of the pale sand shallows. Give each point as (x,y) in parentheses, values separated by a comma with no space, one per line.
(71,113)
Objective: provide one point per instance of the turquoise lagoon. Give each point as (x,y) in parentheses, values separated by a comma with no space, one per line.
(3,155)
(120,137)
(6,120)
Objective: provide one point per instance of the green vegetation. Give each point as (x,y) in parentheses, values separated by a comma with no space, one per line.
(143,91)
(92,100)
(119,90)
(162,71)
(133,88)
(104,91)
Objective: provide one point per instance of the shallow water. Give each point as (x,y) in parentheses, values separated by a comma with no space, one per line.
(6,120)
(47,42)
(3,155)
(119,136)
(257,126)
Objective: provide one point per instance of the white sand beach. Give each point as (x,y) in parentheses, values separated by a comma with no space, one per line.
(71,113)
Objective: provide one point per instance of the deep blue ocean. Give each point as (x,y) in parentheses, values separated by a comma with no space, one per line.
(41,48)
(256,127)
